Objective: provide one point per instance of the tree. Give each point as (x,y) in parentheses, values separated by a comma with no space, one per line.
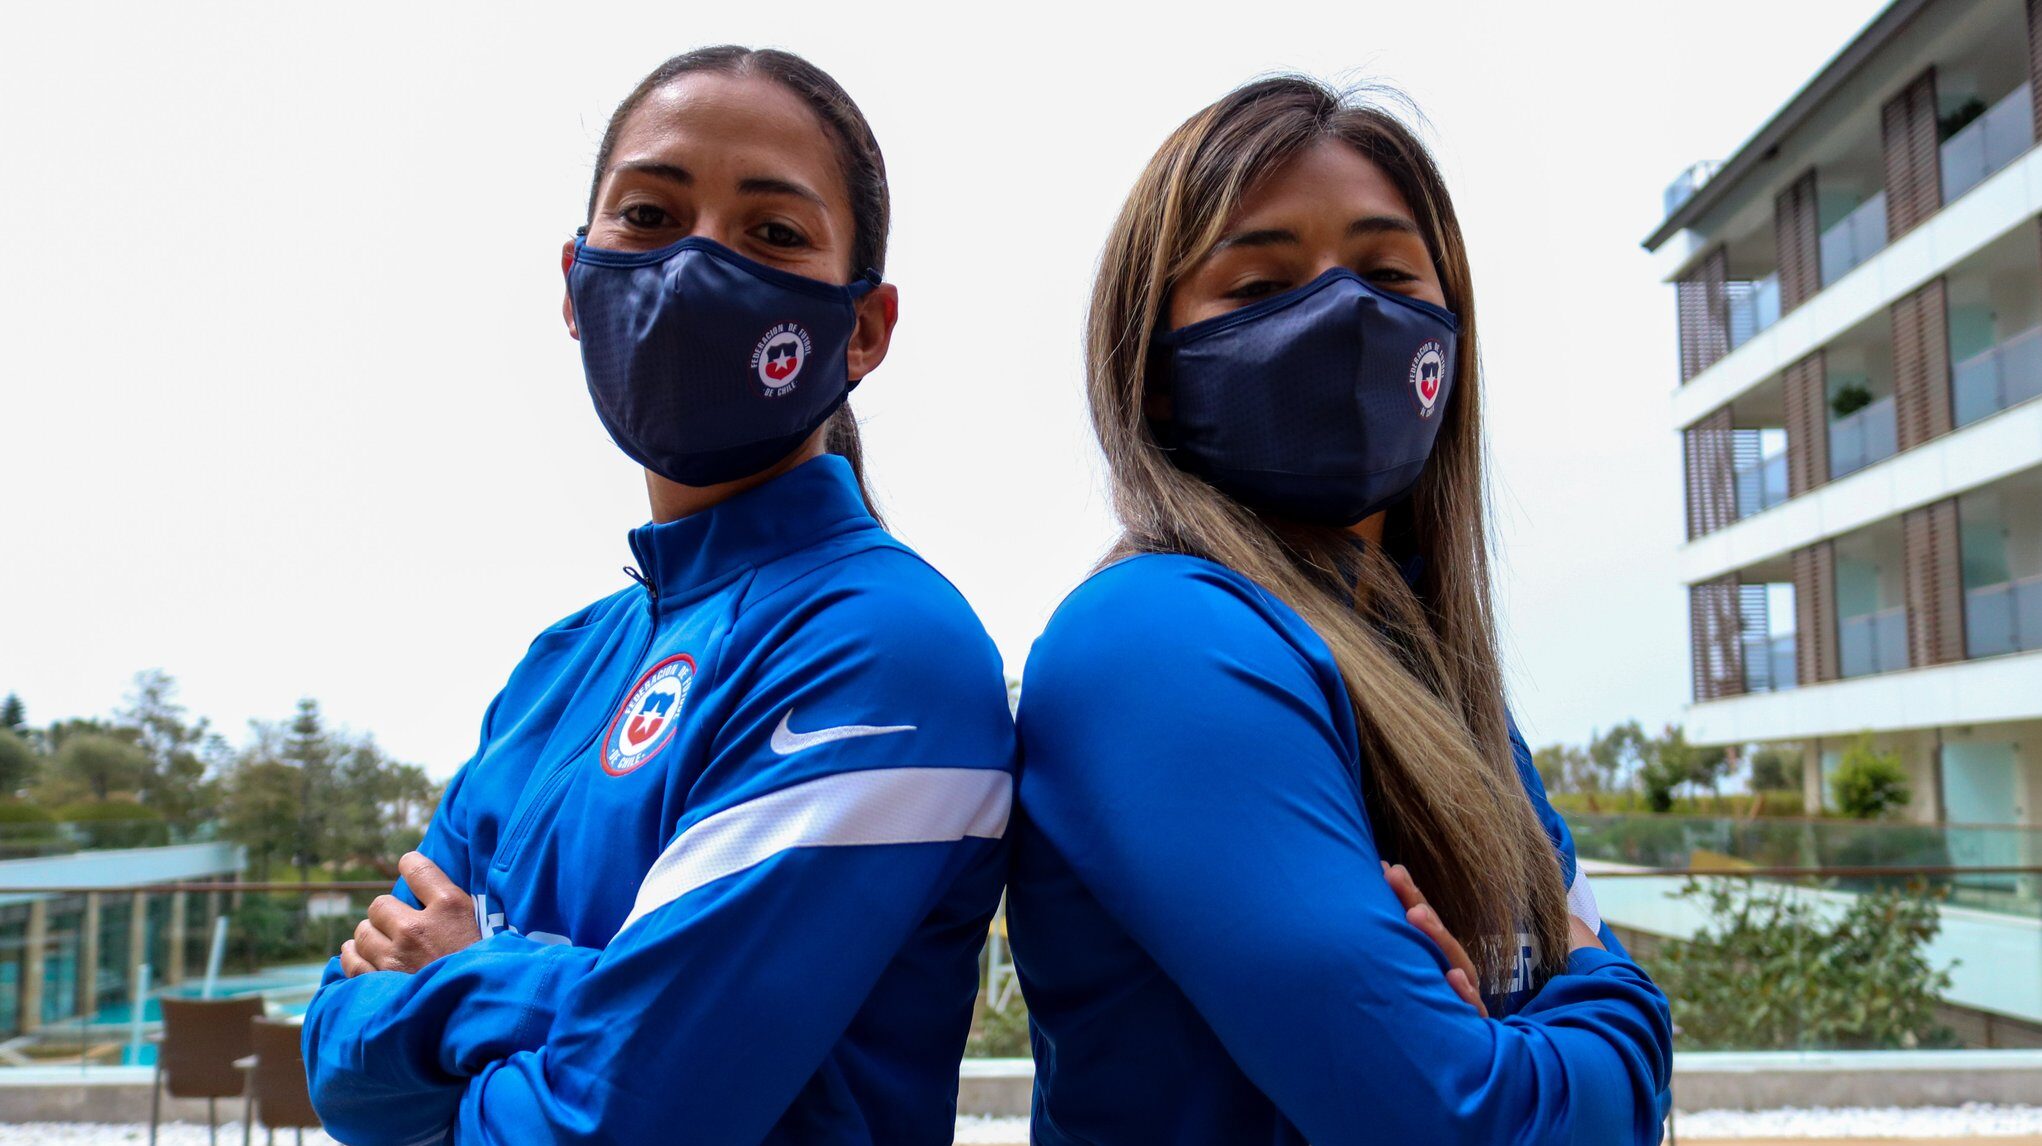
(1566,768)
(13,715)
(1868,783)
(101,764)
(259,809)
(1619,754)
(18,762)
(1775,770)
(176,785)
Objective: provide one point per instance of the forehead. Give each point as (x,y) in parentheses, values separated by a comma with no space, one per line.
(1329,177)
(744,126)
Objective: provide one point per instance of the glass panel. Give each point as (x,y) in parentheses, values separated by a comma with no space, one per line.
(1854,238)
(2000,377)
(1863,437)
(1988,143)
(1873,642)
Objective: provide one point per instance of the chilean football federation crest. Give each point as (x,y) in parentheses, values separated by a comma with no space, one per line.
(649,716)
(1426,367)
(779,357)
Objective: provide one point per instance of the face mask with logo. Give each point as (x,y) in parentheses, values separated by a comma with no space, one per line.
(1319,404)
(704,365)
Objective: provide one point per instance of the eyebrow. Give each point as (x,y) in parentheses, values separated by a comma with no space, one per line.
(1276,236)
(756,185)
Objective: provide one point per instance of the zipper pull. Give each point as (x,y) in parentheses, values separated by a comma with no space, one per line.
(644,582)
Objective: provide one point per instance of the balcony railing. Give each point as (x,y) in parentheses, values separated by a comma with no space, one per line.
(1754,305)
(1873,642)
(1988,143)
(1761,487)
(1769,663)
(1987,383)
(1854,238)
(1863,437)
(2003,618)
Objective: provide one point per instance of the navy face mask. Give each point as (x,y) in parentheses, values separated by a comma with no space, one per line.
(704,365)
(1318,404)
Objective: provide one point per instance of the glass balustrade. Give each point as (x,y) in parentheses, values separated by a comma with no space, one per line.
(2009,373)
(2003,618)
(1873,642)
(1988,143)
(1862,437)
(1854,238)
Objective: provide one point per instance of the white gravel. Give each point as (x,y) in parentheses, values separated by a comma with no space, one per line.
(1971,1120)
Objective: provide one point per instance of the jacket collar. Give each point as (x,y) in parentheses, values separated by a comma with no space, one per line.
(817,499)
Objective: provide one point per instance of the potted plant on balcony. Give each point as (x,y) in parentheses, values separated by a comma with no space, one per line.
(1849,398)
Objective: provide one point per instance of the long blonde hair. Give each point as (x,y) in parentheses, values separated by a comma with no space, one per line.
(1419,660)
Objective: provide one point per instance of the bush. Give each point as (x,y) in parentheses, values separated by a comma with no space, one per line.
(114,824)
(1780,968)
(1867,783)
(998,1033)
(27,830)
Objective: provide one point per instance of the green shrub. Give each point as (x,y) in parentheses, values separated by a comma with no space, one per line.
(114,824)
(1867,783)
(1778,968)
(998,1033)
(1849,399)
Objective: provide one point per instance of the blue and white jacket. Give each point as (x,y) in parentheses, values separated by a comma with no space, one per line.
(1209,950)
(734,838)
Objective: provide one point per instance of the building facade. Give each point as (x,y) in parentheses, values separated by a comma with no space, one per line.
(1859,291)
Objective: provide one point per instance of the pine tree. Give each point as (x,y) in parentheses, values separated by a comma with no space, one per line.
(13,714)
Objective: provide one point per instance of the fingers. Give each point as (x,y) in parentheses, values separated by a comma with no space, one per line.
(376,948)
(1419,913)
(1465,988)
(426,880)
(351,962)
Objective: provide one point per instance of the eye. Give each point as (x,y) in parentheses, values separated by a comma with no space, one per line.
(1390,275)
(644,216)
(777,234)
(1257,288)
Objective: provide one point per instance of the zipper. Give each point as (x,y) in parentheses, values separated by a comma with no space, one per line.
(555,781)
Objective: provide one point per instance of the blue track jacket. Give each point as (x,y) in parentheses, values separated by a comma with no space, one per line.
(1207,945)
(734,839)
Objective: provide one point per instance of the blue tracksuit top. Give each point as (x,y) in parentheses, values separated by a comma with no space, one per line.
(1207,945)
(734,839)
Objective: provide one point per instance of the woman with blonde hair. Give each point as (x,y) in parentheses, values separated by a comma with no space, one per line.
(1276,713)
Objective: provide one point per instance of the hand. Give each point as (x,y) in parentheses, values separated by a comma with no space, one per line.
(399,937)
(1461,974)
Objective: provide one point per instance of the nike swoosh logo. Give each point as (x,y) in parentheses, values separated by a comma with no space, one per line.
(787,742)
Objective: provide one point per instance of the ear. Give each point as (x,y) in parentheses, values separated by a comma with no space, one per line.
(567,296)
(877,312)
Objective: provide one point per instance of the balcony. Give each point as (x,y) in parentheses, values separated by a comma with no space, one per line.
(1873,642)
(1854,238)
(1988,143)
(1754,305)
(1987,383)
(1761,486)
(2003,618)
(1862,437)
(1769,663)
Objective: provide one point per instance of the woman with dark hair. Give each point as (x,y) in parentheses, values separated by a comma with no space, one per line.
(1275,714)
(721,866)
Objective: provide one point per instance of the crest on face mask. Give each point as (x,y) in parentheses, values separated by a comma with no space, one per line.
(779,357)
(1426,368)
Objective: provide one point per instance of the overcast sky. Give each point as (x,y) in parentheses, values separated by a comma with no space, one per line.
(287,410)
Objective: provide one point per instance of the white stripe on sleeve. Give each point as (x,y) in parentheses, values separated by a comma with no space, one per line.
(1581,902)
(843,809)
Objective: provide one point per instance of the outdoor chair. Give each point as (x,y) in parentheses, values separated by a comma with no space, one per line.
(201,1039)
(278,1094)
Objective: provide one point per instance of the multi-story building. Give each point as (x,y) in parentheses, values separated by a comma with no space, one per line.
(1860,314)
